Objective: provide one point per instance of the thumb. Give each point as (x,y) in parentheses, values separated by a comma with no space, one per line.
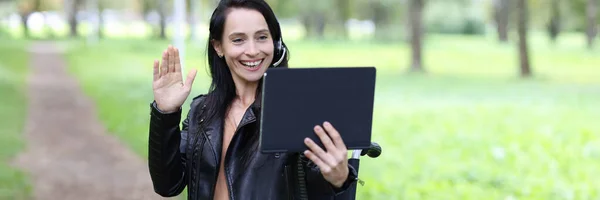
(190,78)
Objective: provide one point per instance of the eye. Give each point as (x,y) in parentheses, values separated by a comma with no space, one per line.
(264,37)
(237,40)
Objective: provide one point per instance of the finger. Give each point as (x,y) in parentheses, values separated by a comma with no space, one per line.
(324,138)
(171,58)
(155,70)
(177,61)
(318,151)
(335,136)
(164,64)
(324,167)
(190,79)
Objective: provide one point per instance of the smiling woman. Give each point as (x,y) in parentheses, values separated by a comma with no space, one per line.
(215,152)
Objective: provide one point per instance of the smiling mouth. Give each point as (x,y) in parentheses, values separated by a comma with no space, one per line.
(252,64)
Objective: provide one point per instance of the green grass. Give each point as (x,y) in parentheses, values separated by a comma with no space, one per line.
(14,184)
(468,129)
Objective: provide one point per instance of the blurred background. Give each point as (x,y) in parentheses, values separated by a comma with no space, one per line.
(475,99)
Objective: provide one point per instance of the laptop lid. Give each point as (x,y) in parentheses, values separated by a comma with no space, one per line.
(294,100)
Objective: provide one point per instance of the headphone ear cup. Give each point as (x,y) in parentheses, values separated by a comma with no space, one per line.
(279,46)
(280,53)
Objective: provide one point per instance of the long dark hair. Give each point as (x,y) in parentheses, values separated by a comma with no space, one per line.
(222,89)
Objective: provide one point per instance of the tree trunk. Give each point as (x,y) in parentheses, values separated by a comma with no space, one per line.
(24,18)
(161,13)
(416,21)
(592,29)
(314,24)
(320,25)
(380,17)
(100,20)
(193,19)
(501,15)
(522,29)
(344,16)
(73,17)
(307,23)
(554,26)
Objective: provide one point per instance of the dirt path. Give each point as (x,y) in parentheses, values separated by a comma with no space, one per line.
(69,155)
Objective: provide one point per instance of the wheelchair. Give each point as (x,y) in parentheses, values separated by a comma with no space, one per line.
(373,151)
(297,173)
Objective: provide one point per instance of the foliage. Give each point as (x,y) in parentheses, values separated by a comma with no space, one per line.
(455,18)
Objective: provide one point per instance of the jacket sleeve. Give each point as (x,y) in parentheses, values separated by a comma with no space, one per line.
(166,160)
(319,188)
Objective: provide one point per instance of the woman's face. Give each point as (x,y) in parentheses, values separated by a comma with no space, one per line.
(246,45)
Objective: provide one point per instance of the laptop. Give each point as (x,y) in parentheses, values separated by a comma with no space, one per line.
(294,100)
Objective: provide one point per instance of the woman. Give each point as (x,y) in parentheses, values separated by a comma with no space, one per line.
(216,154)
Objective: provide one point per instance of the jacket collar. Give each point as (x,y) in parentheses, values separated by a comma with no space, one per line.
(214,130)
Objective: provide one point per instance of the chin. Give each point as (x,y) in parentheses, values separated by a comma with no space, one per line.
(255,77)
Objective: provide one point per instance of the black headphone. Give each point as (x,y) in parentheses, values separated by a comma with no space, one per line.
(282,50)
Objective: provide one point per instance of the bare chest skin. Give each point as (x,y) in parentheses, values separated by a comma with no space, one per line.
(232,119)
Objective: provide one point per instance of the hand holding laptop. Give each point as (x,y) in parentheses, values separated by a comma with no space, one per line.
(333,161)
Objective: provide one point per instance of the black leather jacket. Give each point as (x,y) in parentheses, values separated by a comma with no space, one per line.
(190,157)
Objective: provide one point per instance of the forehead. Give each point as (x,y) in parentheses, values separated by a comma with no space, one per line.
(242,20)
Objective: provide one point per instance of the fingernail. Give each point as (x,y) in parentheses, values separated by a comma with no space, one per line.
(327,123)
(306,140)
(317,127)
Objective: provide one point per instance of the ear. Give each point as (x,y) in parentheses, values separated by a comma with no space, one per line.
(217,46)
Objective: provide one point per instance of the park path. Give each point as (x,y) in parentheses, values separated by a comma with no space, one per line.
(69,154)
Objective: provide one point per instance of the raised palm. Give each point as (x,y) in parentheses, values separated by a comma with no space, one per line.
(170,92)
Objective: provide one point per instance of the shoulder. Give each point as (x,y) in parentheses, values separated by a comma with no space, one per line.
(199,97)
(198,101)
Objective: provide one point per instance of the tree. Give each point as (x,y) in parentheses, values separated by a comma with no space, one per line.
(26,8)
(314,16)
(522,31)
(74,6)
(101,7)
(162,9)
(501,16)
(344,12)
(193,9)
(554,25)
(381,17)
(592,29)
(416,22)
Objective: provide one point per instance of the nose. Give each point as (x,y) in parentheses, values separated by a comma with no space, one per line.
(252,49)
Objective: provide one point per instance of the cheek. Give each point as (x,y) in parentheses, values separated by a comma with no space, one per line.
(233,51)
(268,49)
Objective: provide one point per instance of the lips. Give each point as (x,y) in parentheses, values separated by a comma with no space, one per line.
(252,65)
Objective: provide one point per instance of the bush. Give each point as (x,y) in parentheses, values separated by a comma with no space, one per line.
(453,18)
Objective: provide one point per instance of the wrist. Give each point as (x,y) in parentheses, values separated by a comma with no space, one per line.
(163,109)
(339,183)
(349,179)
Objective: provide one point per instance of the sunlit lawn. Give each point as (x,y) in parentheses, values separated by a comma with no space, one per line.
(468,129)
(14,184)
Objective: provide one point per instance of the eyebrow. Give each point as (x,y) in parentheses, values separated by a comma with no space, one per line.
(240,33)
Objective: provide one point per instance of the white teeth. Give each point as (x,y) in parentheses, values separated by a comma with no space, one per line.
(252,64)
